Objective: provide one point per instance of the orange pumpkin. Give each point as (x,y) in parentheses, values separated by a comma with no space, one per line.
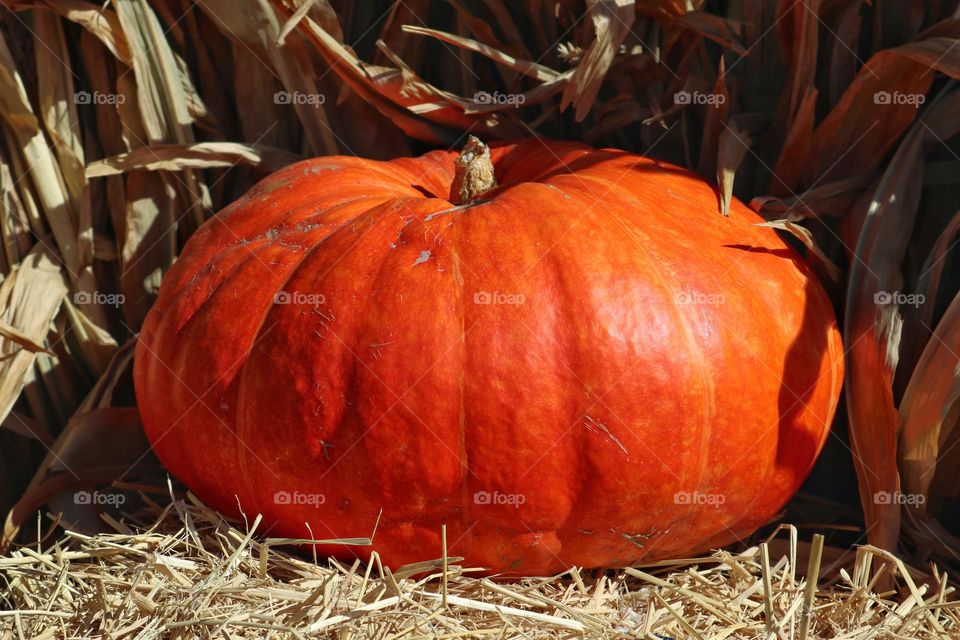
(585,365)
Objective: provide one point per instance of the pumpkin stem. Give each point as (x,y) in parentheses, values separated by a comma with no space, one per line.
(474,172)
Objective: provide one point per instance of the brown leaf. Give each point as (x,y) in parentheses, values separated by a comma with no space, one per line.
(201,155)
(29,299)
(163,92)
(611,24)
(826,269)
(100,21)
(871,105)
(843,64)
(527,68)
(918,320)
(382,87)
(797,150)
(834,199)
(933,389)
(733,146)
(872,322)
(720,30)
(40,164)
(259,27)
(713,126)
(13,334)
(79,459)
(799,26)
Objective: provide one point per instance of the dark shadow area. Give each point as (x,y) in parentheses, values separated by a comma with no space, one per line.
(780,253)
(801,368)
(518,160)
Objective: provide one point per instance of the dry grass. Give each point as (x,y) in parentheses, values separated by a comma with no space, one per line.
(185,572)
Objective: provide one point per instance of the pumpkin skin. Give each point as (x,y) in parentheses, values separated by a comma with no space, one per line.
(588,366)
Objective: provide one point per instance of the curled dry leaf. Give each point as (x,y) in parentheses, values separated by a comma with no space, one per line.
(869,119)
(732,147)
(382,87)
(799,26)
(90,345)
(17,237)
(919,320)
(78,459)
(872,322)
(163,93)
(720,30)
(611,24)
(152,212)
(27,427)
(259,27)
(826,269)
(29,299)
(533,70)
(39,164)
(833,199)
(201,155)
(100,21)
(933,389)
(13,334)
(797,148)
(715,120)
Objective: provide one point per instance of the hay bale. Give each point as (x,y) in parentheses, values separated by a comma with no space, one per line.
(185,572)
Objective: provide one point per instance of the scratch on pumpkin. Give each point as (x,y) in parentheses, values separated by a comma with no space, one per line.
(593,425)
(376,348)
(640,539)
(326,449)
(329,317)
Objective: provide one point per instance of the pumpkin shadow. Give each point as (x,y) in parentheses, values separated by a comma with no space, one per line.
(780,253)
(797,447)
(519,156)
(798,443)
